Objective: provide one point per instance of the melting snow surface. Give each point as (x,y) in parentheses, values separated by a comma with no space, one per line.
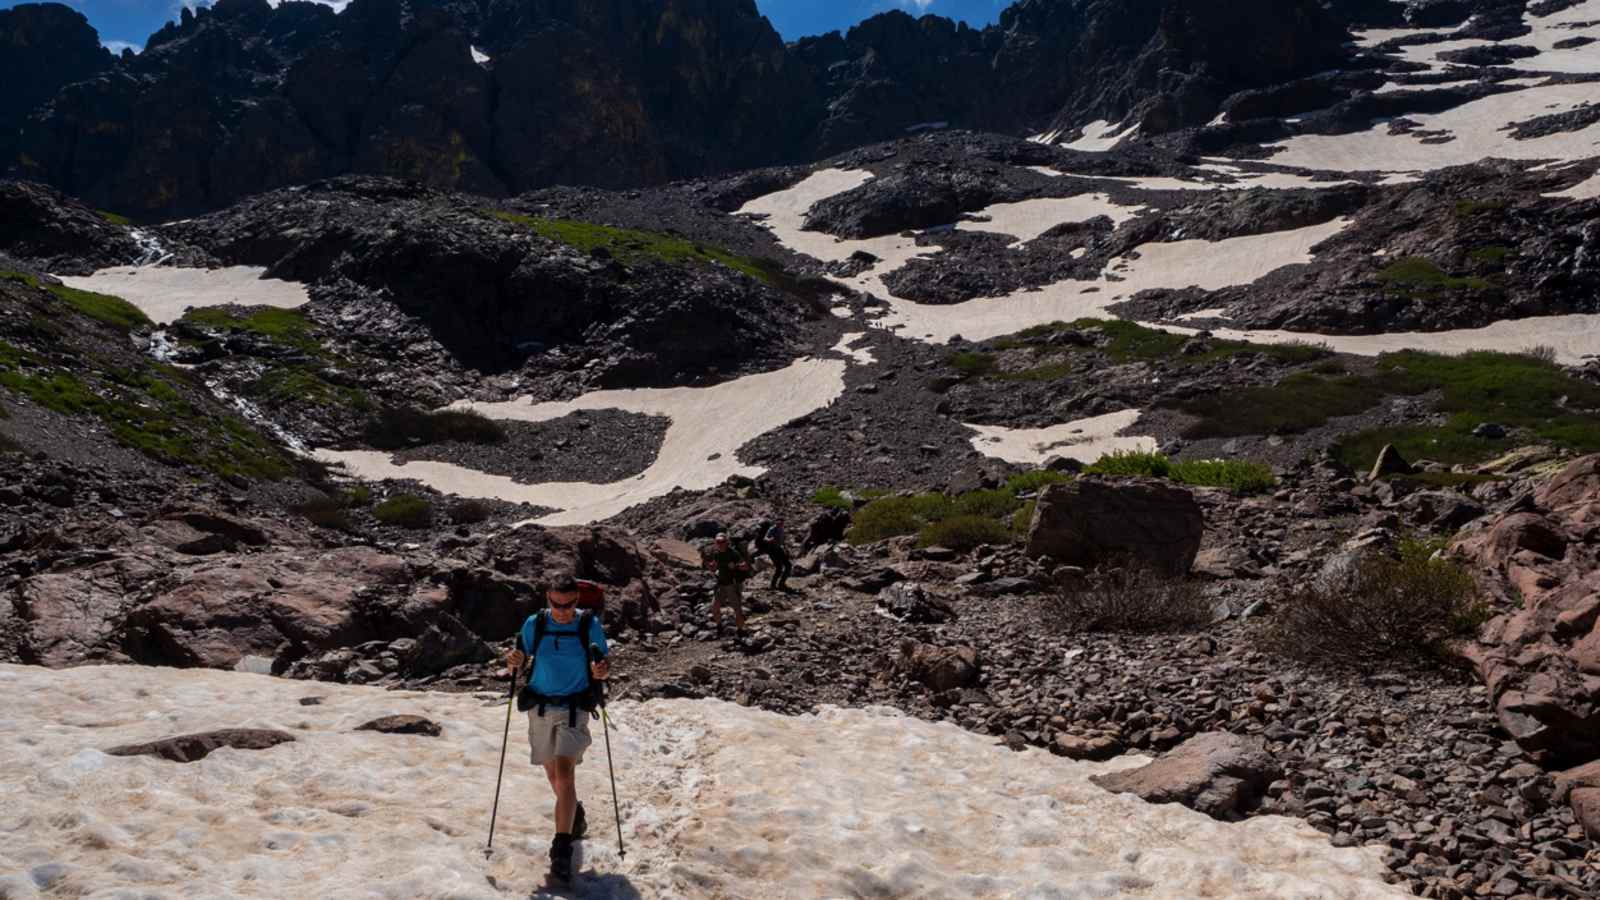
(1100,135)
(1085,440)
(1027,219)
(164,293)
(718,800)
(708,426)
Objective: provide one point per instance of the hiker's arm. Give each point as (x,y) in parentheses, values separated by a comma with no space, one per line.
(600,668)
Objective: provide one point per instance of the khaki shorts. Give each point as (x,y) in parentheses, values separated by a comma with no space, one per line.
(551,735)
(729,594)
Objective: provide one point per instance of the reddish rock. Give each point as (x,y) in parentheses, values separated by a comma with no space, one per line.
(1541,660)
(1218,773)
(940,668)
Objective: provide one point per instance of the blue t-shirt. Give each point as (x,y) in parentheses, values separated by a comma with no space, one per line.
(561,665)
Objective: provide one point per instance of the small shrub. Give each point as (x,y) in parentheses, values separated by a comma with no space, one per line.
(469,512)
(359,495)
(327,512)
(972,364)
(1131,462)
(1416,273)
(1022,519)
(993,504)
(1380,611)
(964,533)
(1492,255)
(895,516)
(397,429)
(114,218)
(1135,598)
(406,511)
(831,497)
(1542,352)
(1237,475)
(1032,482)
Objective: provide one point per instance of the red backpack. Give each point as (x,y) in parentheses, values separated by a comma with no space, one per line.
(591,596)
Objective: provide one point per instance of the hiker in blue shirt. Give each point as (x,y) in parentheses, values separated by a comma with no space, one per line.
(559,699)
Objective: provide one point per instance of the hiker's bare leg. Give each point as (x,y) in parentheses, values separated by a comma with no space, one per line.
(563,774)
(738,612)
(716,612)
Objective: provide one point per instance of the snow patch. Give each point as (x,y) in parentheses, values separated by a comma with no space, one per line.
(480,57)
(717,800)
(164,293)
(1085,440)
(1100,135)
(708,426)
(1027,219)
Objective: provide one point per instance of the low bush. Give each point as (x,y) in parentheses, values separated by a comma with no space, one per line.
(831,497)
(1380,611)
(1237,475)
(897,515)
(1035,480)
(991,504)
(406,511)
(1022,519)
(1134,598)
(971,364)
(1130,463)
(398,428)
(469,512)
(1418,274)
(964,532)
(327,511)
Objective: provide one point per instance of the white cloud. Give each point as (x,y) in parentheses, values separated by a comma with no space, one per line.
(920,6)
(338,5)
(118,46)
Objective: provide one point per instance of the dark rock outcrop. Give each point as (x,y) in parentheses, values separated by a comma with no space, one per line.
(58,234)
(187,748)
(43,46)
(613,93)
(403,724)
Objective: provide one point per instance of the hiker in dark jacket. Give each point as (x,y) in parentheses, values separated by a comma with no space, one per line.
(559,698)
(774,544)
(732,567)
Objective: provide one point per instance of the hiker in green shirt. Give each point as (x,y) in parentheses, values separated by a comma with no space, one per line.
(732,568)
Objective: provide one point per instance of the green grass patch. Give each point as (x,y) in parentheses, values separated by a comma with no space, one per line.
(397,429)
(831,497)
(1022,519)
(964,532)
(287,327)
(1300,402)
(406,511)
(113,311)
(144,409)
(1512,389)
(971,364)
(114,218)
(1465,208)
(1492,255)
(1035,480)
(287,384)
(1237,475)
(1416,274)
(1132,342)
(632,246)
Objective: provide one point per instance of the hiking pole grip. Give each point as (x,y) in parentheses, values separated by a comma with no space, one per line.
(611,767)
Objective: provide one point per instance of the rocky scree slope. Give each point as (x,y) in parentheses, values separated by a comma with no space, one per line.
(624,92)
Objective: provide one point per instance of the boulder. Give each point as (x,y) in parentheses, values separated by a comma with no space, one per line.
(403,724)
(1095,748)
(1389,462)
(1541,658)
(908,602)
(827,528)
(1218,773)
(187,748)
(1091,522)
(940,668)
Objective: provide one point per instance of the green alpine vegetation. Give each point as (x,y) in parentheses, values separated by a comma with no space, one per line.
(405,510)
(144,409)
(397,429)
(1416,274)
(1237,475)
(113,311)
(631,246)
(961,522)
(114,218)
(287,327)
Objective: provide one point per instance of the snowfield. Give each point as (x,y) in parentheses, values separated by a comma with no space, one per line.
(163,293)
(718,801)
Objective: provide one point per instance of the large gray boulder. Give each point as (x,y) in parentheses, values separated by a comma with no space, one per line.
(1218,773)
(1090,522)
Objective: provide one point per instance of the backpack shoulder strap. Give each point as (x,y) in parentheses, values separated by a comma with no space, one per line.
(538,634)
(585,625)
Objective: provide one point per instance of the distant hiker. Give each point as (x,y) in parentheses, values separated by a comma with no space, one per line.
(732,567)
(773,542)
(559,698)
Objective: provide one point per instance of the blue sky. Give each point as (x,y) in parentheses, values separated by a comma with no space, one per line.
(129,22)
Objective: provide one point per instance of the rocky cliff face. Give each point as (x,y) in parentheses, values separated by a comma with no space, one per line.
(496,97)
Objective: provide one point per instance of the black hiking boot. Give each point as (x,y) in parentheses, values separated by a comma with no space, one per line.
(561,859)
(580,824)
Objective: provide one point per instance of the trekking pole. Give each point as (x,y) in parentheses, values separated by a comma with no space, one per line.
(605,722)
(494,813)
